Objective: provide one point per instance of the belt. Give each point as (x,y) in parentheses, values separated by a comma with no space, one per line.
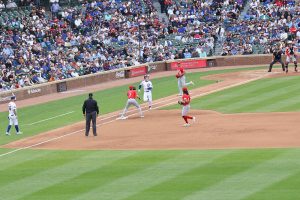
(147,91)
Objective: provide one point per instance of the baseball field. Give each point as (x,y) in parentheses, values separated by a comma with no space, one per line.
(244,144)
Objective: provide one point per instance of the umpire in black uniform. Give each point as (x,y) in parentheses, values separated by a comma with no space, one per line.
(90,110)
(276,58)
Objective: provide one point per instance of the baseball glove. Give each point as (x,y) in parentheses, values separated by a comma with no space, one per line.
(180,103)
(177,76)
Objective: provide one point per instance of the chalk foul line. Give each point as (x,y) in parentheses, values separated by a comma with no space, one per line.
(164,105)
(43,120)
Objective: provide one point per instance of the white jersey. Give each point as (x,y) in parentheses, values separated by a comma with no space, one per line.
(12,108)
(147,86)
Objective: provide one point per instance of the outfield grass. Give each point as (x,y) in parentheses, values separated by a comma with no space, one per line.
(147,175)
(109,100)
(265,95)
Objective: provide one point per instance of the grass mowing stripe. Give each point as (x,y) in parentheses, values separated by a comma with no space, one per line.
(243,184)
(240,99)
(287,189)
(29,168)
(276,102)
(110,100)
(202,177)
(32,187)
(290,104)
(264,99)
(102,175)
(127,186)
(20,158)
(234,92)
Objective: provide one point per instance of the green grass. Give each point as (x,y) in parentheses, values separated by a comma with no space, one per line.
(166,175)
(265,95)
(109,100)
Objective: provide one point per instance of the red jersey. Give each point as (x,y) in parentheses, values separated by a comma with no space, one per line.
(131,94)
(186,99)
(180,73)
(289,51)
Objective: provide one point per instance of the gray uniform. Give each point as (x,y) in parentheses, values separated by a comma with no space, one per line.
(134,103)
(185,110)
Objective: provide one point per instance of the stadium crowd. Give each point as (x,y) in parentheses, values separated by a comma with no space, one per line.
(100,35)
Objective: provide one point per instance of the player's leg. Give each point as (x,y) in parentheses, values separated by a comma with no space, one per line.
(94,116)
(9,126)
(185,83)
(125,110)
(271,65)
(184,112)
(16,123)
(179,86)
(150,100)
(287,64)
(295,63)
(87,123)
(136,104)
(282,65)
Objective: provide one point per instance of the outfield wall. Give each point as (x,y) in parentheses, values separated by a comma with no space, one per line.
(134,71)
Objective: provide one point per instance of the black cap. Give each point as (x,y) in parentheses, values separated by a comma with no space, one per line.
(13,97)
(90,94)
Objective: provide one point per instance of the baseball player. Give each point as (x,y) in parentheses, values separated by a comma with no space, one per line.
(147,87)
(12,116)
(185,102)
(276,58)
(290,56)
(132,95)
(181,79)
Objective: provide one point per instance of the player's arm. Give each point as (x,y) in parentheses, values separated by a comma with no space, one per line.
(97,108)
(83,108)
(140,86)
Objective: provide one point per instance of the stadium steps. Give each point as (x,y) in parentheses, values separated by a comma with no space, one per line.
(162,16)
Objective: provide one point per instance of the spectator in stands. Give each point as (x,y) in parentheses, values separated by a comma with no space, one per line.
(11,4)
(2,5)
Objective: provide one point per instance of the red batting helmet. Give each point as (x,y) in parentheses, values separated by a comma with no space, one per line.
(184,89)
(131,87)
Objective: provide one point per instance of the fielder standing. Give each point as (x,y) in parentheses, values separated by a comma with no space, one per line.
(181,79)
(147,87)
(276,58)
(12,116)
(185,102)
(131,95)
(290,56)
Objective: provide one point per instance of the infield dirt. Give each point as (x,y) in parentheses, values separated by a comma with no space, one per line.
(162,129)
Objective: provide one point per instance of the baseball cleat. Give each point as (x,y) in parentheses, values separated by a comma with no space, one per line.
(186,125)
(194,119)
(19,133)
(142,116)
(192,83)
(296,70)
(150,107)
(7,133)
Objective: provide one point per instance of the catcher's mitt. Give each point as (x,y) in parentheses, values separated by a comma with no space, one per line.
(180,103)
(177,76)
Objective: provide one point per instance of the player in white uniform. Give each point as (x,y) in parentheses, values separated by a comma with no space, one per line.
(147,87)
(291,56)
(12,116)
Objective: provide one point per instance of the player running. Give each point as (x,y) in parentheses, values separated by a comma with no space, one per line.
(132,95)
(181,79)
(12,116)
(185,102)
(290,53)
(147,87)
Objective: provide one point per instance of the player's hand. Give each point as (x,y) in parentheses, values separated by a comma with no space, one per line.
(139,90)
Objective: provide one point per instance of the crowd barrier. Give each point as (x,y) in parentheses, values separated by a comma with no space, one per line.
(134,71)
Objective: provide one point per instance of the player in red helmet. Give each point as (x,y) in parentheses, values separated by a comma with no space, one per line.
(132,95)
(185,102)
(181,79)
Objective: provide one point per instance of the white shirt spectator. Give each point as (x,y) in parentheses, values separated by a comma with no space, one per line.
(2,5)
(78,22)
(11,4)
